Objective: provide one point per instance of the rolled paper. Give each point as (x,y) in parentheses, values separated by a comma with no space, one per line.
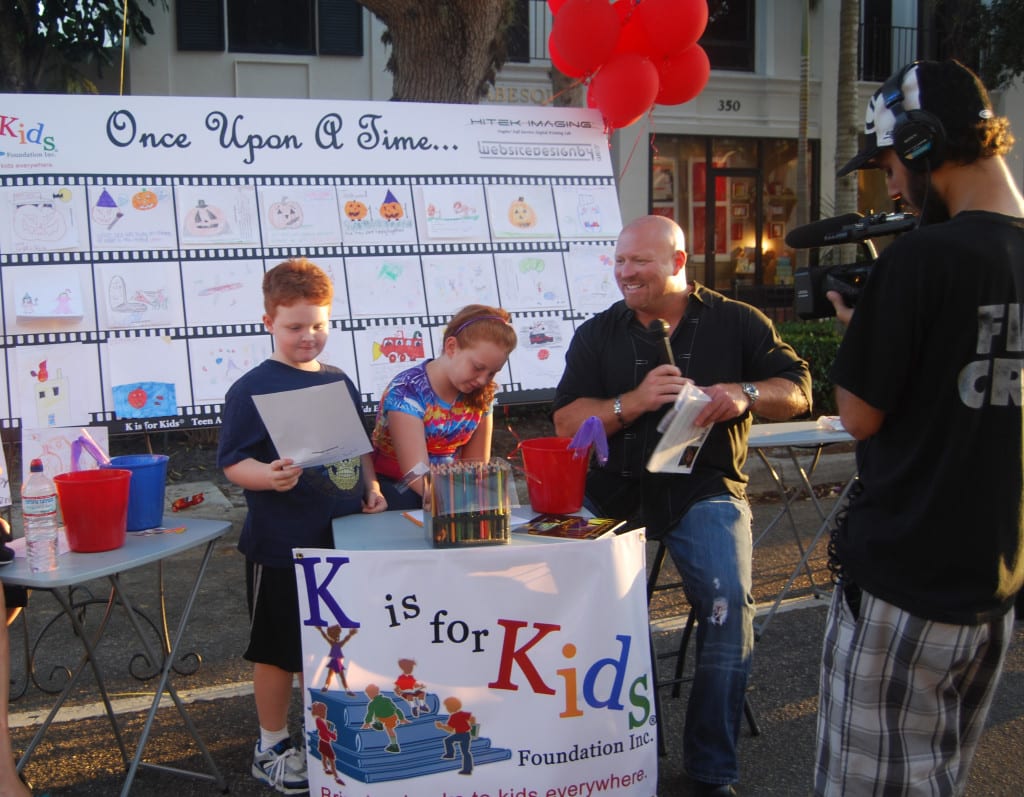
(76,455)
(590,433)
(97,453)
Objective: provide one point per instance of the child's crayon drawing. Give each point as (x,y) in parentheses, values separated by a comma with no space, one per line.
(454,281)
(139,295)
(452,213)
(217,215)
(45,218)
(386,285)
(222,291)
(521,212)
(131,217)
(376,214)
(531,281)
(215,363)
(299,215)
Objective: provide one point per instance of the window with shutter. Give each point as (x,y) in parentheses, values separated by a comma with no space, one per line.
(200,25)
(339,27)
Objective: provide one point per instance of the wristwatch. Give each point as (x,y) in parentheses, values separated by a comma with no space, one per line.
(751,392)
(617,409)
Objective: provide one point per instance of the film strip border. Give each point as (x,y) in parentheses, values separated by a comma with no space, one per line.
(229,252)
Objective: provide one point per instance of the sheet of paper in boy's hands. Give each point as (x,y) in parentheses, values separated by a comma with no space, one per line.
(680,441)
(314,425)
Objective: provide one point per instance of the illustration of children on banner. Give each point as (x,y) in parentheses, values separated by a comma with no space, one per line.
(335,659)
(409,688)
(326,733)
(459,726)
(383,715)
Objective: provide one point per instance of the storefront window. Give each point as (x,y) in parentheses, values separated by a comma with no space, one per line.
(735,199)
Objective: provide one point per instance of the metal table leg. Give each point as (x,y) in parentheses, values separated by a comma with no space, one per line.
(169,652)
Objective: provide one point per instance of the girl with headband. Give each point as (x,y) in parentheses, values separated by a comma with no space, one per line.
(440,410)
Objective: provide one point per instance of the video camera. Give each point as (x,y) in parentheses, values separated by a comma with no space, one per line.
(847,279)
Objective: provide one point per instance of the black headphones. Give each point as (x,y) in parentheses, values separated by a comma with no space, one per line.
(918,137)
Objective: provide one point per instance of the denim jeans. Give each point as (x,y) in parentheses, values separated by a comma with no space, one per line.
(711,547)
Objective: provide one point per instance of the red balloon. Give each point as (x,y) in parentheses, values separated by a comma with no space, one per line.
(672,25)
(625,89)
(633,38)
(585,33)
(558,62)
(682,76)
(622,8)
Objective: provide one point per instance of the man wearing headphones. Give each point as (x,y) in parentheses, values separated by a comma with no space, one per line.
(928,379)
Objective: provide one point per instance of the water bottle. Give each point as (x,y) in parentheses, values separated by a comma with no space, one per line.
(39,510)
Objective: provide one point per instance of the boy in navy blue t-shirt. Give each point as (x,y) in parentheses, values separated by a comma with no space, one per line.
(289,506)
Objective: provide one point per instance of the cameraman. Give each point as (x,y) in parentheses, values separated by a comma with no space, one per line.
(928,379)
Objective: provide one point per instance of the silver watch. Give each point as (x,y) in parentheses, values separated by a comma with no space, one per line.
(751,392)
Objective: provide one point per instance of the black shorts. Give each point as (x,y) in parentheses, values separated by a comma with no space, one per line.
(275,634)
(15,597)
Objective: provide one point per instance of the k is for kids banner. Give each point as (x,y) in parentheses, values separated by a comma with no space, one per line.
(507,671)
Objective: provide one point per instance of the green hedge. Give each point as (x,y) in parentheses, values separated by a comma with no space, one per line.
(816,341)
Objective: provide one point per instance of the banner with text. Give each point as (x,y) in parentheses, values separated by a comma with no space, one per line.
(507,671)
(135,232)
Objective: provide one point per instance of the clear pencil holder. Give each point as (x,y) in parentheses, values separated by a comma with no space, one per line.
(470,504)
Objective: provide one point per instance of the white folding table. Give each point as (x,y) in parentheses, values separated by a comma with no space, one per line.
(76,569)
(797,437)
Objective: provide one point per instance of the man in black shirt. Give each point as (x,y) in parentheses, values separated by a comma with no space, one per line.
(731,351)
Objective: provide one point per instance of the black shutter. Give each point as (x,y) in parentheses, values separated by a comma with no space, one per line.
(517,37)
(340,27)
(200,25)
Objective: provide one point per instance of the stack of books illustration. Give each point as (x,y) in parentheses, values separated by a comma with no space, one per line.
(369,755)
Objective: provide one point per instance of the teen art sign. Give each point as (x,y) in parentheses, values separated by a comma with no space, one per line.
(511,671)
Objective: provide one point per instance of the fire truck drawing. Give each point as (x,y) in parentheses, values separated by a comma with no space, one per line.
(399,348)
(539,334)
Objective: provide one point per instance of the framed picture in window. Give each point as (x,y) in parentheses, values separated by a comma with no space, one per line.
(776,230)
(664,178)
(740,210)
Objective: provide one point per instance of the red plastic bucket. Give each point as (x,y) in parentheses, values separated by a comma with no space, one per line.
(95,508)
(556,475)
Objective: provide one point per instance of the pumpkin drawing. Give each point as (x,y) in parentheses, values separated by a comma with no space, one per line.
(355,210)
(391,210)
(38,220)
(285,214)
(521,214)
(144,200)
(205,220)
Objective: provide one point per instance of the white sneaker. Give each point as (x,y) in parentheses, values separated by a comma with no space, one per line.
(282,767)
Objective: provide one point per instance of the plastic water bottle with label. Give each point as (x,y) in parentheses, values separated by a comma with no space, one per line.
(39,510)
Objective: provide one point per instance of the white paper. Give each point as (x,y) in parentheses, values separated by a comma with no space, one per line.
(680,442)
(314,425)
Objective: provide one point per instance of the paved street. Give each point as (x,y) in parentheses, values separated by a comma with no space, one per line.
(78,757)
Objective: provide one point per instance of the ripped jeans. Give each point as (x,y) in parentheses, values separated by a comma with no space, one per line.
(711,547)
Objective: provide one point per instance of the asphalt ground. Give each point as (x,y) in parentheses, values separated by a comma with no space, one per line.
(78,757)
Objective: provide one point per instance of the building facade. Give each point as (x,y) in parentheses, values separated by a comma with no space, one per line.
(724,165)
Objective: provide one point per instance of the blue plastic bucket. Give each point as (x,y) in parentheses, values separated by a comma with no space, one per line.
(147,488)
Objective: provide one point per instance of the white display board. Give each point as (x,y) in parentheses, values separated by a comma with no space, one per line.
(135,231)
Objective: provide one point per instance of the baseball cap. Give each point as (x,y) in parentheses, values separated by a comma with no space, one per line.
(947,90)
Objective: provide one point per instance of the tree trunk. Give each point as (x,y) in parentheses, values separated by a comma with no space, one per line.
(443,50)
(848,111)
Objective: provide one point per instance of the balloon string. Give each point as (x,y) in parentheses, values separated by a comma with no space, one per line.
(124,44)
(568,88)
(636,142)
